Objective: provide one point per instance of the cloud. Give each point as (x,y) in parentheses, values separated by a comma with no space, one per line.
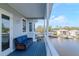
(59,20)
(52,17)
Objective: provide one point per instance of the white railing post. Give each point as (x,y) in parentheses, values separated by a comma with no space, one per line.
(0,33)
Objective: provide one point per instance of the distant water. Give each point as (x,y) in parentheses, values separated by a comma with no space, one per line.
(66,47)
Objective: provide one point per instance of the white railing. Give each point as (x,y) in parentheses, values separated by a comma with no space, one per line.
(51,51)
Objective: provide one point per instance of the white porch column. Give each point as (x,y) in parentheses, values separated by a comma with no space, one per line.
(51,51)
(46,24)
(47,41)
(0,33)
(34,30)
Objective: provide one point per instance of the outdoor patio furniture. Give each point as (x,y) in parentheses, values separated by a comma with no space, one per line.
(23,42)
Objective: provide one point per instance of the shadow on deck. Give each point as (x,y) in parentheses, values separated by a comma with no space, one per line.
(36,49)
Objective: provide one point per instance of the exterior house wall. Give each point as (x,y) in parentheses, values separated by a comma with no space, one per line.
(31,34)
(16,27)
(63,33)
(73,32)
(17,20)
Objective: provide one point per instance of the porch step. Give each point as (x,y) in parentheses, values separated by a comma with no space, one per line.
(36,49)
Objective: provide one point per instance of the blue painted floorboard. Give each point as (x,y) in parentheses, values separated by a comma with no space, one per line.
(36,49)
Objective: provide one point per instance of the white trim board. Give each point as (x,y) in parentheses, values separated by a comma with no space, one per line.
(9,50)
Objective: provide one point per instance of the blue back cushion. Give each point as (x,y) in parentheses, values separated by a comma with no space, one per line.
(22,39)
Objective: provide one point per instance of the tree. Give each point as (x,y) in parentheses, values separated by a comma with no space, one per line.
(4,29)
(50,28)
(57,28)
(71,28)
(40,29)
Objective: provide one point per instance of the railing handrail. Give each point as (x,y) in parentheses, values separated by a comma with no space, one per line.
(53,51)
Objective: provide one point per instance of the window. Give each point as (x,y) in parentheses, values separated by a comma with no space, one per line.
(5,31)
(30,27)
(24,25)
(5,17)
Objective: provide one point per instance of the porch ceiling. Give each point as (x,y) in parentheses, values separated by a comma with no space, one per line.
(30,10)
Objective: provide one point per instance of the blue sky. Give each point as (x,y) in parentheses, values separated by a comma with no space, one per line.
(6,23)
(64,14)
(39,22)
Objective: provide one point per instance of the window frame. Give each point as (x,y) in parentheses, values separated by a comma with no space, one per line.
(24,25)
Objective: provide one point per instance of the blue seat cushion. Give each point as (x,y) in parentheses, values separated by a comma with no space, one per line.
(21,39)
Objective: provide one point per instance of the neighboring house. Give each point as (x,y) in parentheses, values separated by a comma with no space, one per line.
(63,33)
(74,33)
(59,33)
(66,33)
(53,34)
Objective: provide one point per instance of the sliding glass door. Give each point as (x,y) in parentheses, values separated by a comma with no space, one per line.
(5,31)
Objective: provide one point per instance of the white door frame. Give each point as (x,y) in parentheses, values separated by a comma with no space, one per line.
(9,50)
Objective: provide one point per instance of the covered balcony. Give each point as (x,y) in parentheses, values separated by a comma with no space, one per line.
(17,31)
(20,19)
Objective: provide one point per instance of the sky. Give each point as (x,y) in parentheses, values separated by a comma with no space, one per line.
(6,23)
(63,14)
(39,22)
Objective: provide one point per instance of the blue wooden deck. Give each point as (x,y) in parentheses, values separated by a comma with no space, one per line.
(37,49)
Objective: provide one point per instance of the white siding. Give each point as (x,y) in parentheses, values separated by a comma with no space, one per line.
(17,20)
(16,27)
(31,34)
